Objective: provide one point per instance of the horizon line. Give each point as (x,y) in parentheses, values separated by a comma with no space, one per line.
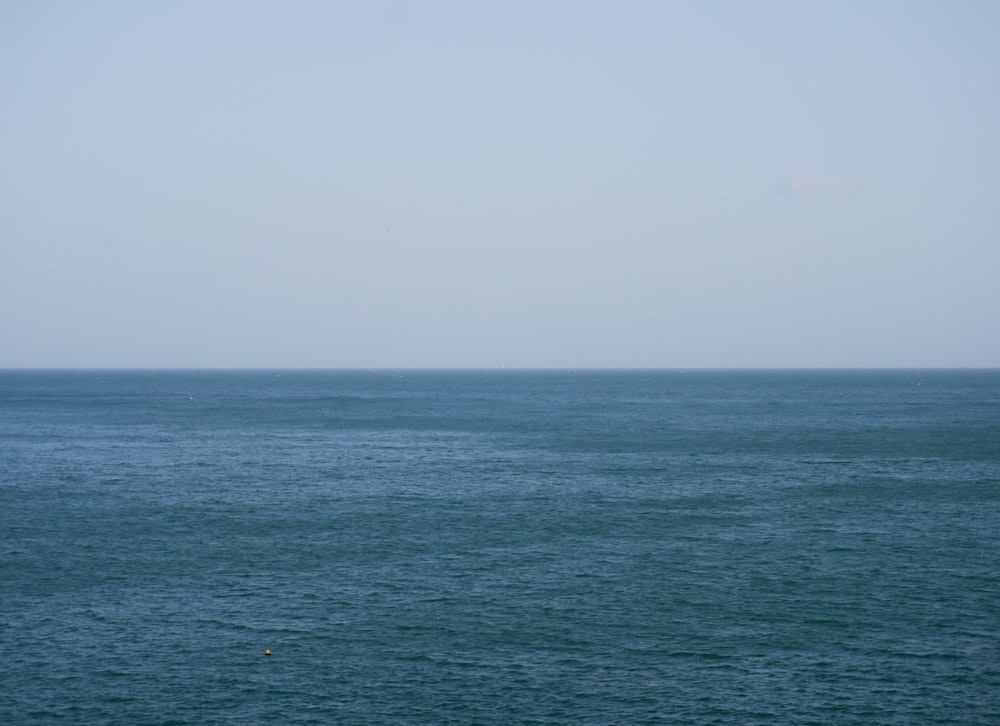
(495,368)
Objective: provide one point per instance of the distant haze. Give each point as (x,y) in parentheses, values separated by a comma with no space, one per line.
(473,184)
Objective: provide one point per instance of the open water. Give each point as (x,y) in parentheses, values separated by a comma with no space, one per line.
(500,547)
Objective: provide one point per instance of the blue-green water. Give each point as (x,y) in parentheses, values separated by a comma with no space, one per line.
(500,547)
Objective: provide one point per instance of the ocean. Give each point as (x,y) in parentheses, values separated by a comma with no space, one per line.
(500,547)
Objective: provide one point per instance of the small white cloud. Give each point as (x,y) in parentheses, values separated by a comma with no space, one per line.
(809,184)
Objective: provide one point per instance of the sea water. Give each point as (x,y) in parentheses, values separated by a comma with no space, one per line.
(500,547)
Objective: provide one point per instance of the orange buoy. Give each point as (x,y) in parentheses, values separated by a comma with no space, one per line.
(267,652)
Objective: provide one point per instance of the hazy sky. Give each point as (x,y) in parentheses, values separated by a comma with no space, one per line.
(485,183)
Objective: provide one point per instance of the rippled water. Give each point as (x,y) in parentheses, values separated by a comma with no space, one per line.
(669,547)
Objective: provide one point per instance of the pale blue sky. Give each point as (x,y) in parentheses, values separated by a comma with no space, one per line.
(530,184)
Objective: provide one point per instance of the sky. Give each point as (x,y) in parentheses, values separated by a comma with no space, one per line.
(543,183)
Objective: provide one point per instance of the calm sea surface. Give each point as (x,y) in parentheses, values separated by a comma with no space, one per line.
(500,547)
